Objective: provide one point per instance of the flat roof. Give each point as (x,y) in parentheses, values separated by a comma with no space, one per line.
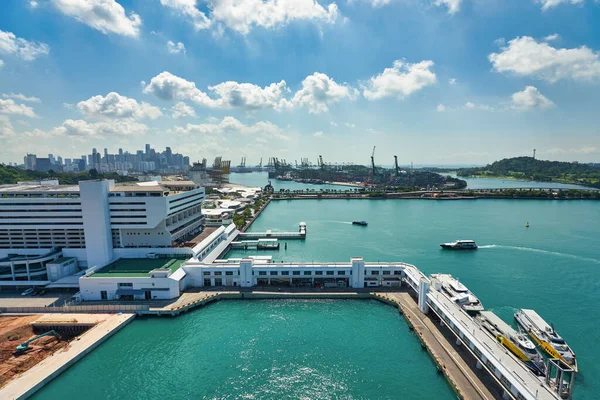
(137,188)
(25,188)
(138,267)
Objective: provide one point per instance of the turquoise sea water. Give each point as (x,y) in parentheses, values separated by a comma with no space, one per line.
(260,179)
(343,350)
(294,349)
(552,266)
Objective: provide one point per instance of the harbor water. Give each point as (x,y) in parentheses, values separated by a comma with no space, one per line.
(293,349)
(354,349)
(552,266)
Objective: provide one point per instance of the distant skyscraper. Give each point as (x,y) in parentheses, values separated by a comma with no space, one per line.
(51,158)
(147,149)
(59,160)
(43,164)
(29,161)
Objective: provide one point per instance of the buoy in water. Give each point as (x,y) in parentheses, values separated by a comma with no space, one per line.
(527,225)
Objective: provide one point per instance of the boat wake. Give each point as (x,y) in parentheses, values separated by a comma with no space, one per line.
(530,249)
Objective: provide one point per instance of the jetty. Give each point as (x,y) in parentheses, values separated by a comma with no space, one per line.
(301,234)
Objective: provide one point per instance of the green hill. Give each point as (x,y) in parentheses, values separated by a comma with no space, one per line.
(528,168)
(13,175)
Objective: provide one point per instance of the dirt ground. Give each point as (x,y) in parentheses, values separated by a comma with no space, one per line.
(14,331)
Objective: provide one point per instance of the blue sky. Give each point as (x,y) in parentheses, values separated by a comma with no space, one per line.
(435,82)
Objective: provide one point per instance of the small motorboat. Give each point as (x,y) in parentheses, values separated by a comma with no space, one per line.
(361,223)
(460,245)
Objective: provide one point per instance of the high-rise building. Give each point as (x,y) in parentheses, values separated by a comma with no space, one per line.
(29,161)
(43,164)
(94,222)
(51,158)
(105,155)
(59,160)
(147,149)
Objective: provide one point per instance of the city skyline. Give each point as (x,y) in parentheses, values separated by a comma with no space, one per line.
(122,162)
(434,82)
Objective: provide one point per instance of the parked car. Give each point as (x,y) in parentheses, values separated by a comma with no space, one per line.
(27,292)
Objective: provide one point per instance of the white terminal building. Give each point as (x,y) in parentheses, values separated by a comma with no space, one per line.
(92,224)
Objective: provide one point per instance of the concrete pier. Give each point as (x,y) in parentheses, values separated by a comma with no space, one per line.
(35,378)
(465,383)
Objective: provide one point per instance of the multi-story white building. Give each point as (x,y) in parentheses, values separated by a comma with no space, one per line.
(94,222)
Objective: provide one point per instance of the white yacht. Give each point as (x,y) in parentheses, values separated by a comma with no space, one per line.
(460,245)
(457,292)
(545,336)
(517,342)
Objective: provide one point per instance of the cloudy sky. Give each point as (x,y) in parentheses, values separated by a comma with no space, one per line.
(433,81)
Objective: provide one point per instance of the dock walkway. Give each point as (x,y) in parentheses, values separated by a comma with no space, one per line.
(465,383)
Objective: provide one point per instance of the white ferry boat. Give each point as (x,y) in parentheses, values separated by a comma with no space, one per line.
(516,342)
(545,336)
(460,245)
(457,292)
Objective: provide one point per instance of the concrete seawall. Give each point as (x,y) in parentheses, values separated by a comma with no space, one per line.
(37,377)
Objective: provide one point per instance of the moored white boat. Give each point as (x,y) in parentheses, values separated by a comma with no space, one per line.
(517,342)
(544,335)
(457,292)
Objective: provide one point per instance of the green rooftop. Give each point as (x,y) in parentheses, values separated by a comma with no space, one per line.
(137,267)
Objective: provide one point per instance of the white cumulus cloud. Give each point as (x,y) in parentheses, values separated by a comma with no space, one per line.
(227,94)
(80,129)
(530,98)
(231,125)
(6,128)
(554,36)
(319,90)
(453,5)
(9,106)
(547,4)
(22,97)
(401,80)
(107,16)
(441,108)
(182,110)
(243,15)
(22,48)
(251,97)
(113,105)
(188,9)
(175,48)
(318,134)
(524,56)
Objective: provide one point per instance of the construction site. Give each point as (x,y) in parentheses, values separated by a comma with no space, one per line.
(32,347)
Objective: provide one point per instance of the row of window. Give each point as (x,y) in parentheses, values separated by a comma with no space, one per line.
(219,273)
(277,273)
(44,223)
(28,210)
(40,204)
(39,216)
